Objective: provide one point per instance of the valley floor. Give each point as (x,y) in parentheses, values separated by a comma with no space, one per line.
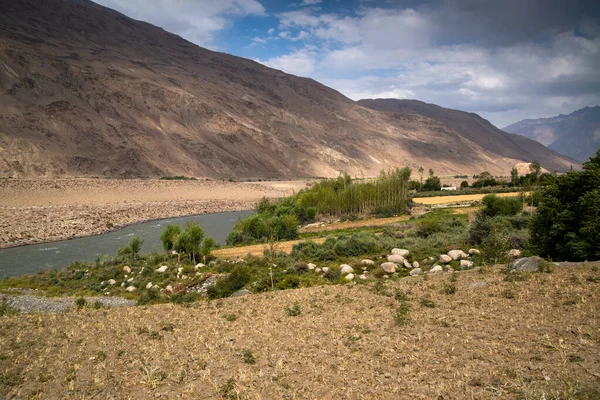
(35,211)
(533,338)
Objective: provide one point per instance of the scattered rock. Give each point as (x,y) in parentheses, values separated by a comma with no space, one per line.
(346,269)
(162,269)
(112,282)
(415,264)
(389,267)
(349,277)
(416,271)
(179,270)
(318,270)
(457,254)
(385,277)
(367,262)
(436,268)
(242,292)
(396,258)
(449,268)
(465,264)
(126,269)
(400,252)
(325,269)
(527,264)
(514,253)
(130,288)
(407,264)
(149,285)
(445,259)
(198,266)
(363,277)
(123,284)
(474,252)
(169,289)
(129,280)
(311,266)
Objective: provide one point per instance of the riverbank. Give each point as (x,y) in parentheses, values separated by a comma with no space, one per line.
(39,211)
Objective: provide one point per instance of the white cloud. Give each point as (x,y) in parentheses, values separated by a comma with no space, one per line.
(195,20)
(271,31)
(300,62)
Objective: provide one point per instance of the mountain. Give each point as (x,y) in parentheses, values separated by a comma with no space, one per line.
(576,135)
(87,91)
(476,129)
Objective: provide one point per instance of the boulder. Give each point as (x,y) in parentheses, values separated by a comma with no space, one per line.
(162,269)
(317,270)
(325,270)
(349,277)
(311,266)
(416,271)
(346,269)
(129,280)
(149,285)
(389,267)
(130,288)
(363,277)
(112,282)
(169,289)
(436,268)
(122,284)
(396,258)
(198,266)
(415,264)
(407,264)
(466,264)
(367,262)
(527,264)
(126,269)
(385,276)
(514,253)
(179,270)
(400,252)
(445,259)
(242,292)
(474,252)
(457,254)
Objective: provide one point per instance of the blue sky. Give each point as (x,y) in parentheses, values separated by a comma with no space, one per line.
(505,60)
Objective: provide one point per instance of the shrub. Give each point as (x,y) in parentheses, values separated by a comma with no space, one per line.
(401,314)
(428,227)
(148,296)
(226,286)
(169,236)
(494,205)
(80,303)
(294,310)
(248,357)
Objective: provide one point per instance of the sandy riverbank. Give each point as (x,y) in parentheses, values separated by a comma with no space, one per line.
(36,211)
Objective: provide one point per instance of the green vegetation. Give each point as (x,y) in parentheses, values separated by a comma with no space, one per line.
(189,240)
(494,205)
(169,236)
(566,225)
(178,178)
(132,249)
(293,311)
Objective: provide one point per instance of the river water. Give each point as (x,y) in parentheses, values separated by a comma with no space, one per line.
(39,257)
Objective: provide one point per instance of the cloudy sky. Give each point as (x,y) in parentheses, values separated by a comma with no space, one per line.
(504,59)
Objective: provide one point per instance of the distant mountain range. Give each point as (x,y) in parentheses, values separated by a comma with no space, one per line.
(87,91)
(576,135)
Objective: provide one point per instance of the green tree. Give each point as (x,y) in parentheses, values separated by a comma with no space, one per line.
(169,236)
(132,249)
(566,225)
(431,173)
(464,185)
(188,241)
(208,245)
(421,173)
(432,184)
(514,176)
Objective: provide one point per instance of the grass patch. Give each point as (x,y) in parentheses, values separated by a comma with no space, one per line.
(401,314)
(294,310)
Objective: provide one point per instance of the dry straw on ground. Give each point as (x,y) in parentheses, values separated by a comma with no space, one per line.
(532,339)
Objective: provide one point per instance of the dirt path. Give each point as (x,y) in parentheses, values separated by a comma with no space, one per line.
(458,198)
(35,211)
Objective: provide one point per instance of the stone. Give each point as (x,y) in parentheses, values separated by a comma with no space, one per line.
(416,271)
(364,268)
(514,253)
(112,282)
(457,254)
(149,285)
(415,264)
(474,252)
(349,277)
(466,264)
(449,268)
(367,262)
(526,264)
(242,292)
(385,277)
(435,269)
(169,289)
(130,288)
(155,287)
(126,269)
(129,280)
(325,270)
(311,266)
(407,264)
(162,269)
(198,266)
(346,269)
(445,259)
(396,258)
(179,270)
(400,252)
(363,277)
(318,270)
(123,284)
(389,267)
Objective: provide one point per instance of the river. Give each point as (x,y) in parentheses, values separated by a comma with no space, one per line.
(40,257)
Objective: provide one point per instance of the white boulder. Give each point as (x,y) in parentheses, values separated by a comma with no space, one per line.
(416,271)
(363,277)
(389,267)
(346,269)
(198,266)
(407,264)
(169,289)
(415,264)
(112,282)
(457,254)
(311,266)
(317,270)
(436,268)
(474,252)
(126,269)
(130,288)
(465,264)
(514,253)
(445,259)
(325,269)
(396,258)
(349,277)
(367,262)
(400,252)
(162,269)
(149,285)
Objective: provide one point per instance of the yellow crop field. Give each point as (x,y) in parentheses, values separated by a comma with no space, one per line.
(458,198)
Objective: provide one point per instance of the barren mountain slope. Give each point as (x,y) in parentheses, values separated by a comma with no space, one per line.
(478,130)
(86,91)
(576,135)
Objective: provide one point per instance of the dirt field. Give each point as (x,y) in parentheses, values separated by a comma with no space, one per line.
(34,211)
(259,249)
(457,198)
(532,339)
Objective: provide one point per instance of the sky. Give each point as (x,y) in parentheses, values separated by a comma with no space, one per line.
(506,60)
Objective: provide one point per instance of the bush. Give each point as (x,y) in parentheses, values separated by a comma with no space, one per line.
(428,227)
(148,296)
(495,205)
(238,278)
